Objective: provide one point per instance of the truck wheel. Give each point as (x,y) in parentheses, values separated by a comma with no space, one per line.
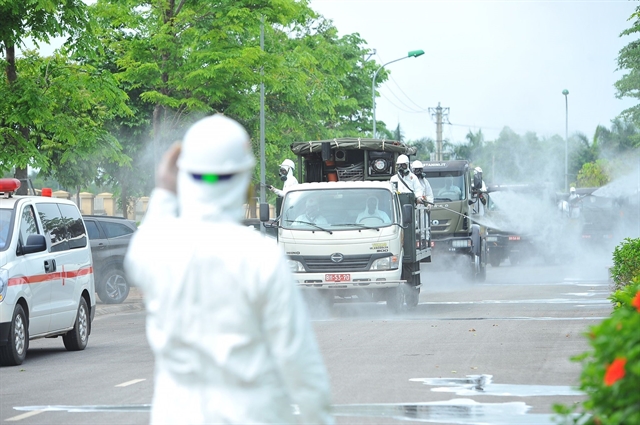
(402,298)
(495,260)
(15,351)
(476,270)
(481,275)
(414,297)
(76,339)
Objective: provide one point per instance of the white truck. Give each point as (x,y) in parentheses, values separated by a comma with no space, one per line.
(355,238)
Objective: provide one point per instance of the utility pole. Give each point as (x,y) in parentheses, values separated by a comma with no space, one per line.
(439,113)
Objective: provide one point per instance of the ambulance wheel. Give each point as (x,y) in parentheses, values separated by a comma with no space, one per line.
(15,351)
(76,339)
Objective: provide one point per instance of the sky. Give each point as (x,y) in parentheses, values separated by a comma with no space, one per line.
(492,63)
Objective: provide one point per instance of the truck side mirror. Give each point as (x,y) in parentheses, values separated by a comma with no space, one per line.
(264,212)
(407,210)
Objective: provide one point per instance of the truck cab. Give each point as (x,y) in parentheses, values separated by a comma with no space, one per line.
(457,237)
(347,232)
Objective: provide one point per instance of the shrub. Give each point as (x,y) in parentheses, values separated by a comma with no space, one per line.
(626,263)
(611,370)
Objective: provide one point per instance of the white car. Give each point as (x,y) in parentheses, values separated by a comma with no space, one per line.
(46,273)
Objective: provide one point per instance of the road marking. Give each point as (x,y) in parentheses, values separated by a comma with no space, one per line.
(24,416)
(532,301)
(126,384)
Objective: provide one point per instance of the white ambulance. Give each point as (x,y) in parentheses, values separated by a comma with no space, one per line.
(46,273)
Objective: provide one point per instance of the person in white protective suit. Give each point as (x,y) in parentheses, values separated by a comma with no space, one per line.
(404,181)
(286,174)
(311,214)
(574,204)
(228,328)
(371,213)
(417,168)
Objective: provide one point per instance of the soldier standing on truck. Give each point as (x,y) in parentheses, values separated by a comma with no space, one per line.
(416,168)
(404,180)
(286,175)
(480,189)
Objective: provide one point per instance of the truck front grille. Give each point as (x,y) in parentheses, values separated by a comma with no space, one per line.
(323,263)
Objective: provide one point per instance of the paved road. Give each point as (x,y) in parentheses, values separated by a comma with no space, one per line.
(496,352)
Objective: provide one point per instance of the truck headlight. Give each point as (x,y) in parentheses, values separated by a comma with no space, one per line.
(295,266)
(386,263)
(461,243)
(4,283)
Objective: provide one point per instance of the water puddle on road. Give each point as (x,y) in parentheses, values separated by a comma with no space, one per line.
(456,411)
(460,411)
(532,301)
(482,385)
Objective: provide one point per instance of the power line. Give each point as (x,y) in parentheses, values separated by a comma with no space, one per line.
(410,100)
(413,110)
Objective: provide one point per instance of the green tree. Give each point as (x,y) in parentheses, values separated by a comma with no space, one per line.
(52,117)
(424,147)
(39,20)
(593,174)
(629,60)
(398,134)
(621,139)
(186,60)
(472,148)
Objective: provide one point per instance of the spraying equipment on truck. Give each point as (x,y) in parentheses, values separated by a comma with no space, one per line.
(349,235)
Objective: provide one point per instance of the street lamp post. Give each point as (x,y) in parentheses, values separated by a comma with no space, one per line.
(565,92)
(411,54)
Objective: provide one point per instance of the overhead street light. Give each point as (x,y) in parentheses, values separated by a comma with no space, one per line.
(411,54)
(565,92)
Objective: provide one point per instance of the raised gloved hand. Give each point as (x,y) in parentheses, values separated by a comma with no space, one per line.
(167,170)
(271,188)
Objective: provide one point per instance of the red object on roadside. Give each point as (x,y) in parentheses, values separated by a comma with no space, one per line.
(636,301)
(46,191)
(615,371)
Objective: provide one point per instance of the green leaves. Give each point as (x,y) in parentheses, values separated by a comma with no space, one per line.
(53,117)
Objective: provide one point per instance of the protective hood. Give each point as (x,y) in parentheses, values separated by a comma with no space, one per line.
(220,201)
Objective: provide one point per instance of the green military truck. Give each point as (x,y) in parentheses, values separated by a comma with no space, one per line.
(457,238)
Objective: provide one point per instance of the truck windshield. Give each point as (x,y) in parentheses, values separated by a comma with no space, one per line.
(447,186)
(339,209)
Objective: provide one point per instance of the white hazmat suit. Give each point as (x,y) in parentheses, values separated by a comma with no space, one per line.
(417,169)
(405,180)
(228,328)
(290,179)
